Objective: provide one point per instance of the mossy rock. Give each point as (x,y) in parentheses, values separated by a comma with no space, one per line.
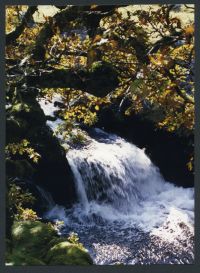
(32,237)
(31,112)
(17,258)
(37,243)
(56,241)
(46,144)
(65,253)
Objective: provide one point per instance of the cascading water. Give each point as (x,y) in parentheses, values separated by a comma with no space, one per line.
(126,212)
(116,176)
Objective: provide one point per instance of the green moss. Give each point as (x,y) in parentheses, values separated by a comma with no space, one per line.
(32,237)
(65,253)
(29,111)
(17,258)
(20,107)
(55,241)
(78,138)
(96,66)
(101,67)
(37,243)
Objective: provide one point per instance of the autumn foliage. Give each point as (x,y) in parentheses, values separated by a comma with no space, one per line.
(100,55)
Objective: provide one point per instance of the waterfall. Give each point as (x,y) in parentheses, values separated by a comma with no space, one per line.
(111,171)
(116,180)
(123,198)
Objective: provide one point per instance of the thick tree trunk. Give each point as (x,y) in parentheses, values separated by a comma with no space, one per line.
(98,82)
(60,78)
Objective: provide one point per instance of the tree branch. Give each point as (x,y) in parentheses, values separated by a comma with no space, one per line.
(12,36)
(90,18)
(189,7)
(98,82)
(77,53)
(182,94)
(58,78)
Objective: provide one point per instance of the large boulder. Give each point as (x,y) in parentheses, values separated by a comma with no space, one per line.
(30,111)
(53,172)
(26,120)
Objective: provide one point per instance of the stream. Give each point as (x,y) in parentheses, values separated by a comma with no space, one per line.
(126,212)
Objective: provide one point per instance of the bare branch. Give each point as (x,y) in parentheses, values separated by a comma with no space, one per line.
(189,7)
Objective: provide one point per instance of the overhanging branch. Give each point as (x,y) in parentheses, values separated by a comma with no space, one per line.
(12,36)
(182,94)
(99,82)
(59,78)
(90,18)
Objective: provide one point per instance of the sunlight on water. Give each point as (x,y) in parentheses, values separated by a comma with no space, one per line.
(124,196)
(116,180)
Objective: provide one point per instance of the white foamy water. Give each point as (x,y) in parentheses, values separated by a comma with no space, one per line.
(117,181)
(49,108)
(122,197)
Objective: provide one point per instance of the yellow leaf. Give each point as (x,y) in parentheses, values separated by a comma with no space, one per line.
(97,107)
(93,6)
(189,165)
(35,159)
(189,30)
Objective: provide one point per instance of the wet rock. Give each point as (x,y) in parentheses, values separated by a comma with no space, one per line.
(52,171)
(26,120)
(19,168)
